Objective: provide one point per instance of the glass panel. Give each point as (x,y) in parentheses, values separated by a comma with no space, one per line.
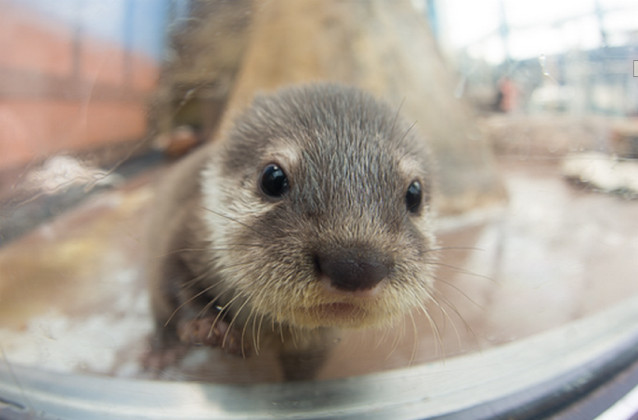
(528,110)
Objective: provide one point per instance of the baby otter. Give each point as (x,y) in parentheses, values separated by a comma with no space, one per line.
(310,215)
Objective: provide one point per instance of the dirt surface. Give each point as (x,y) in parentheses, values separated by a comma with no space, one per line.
(72,294)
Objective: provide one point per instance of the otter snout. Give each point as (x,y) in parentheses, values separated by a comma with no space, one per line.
(353,270)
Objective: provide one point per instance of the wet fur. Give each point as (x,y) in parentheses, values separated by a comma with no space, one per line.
(219,248)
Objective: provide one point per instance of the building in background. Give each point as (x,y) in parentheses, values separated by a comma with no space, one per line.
(574,57)
(76,74)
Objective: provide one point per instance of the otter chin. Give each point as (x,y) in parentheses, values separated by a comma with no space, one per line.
(311,213)
(344,309)
(339,314)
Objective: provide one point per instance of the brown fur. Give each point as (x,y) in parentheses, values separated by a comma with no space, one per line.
(222,251)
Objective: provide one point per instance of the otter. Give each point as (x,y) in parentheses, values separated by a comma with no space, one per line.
(311,214)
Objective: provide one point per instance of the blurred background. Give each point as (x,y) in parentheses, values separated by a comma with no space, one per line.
(574,58)
(566,56)
(531,109)
(76,75)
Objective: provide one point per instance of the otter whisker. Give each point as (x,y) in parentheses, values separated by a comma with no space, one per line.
(461,270)
(227,247)
(232,219)
(459,291)
(221,311)
(448,318)
(232,322)
(442,299)
(238,264)
(407,131)
(179,251)
(188,284)
(396,339)
(232,245)
(187,301)
(257,299)
(435,329)
(384,336)
(211,303)
(261,322)
(251,320)
(415,334)
(455,248)
(197,279)
(397,115)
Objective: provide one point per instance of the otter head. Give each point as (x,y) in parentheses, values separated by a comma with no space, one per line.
(318,208)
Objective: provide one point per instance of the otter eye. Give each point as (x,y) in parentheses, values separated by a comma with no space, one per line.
(274,181)
(413,197)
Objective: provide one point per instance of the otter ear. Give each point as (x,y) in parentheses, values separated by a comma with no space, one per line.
(273,181)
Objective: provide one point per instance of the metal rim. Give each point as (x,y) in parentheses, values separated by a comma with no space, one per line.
(523,378)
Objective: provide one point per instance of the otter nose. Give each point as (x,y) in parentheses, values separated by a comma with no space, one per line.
(352,271)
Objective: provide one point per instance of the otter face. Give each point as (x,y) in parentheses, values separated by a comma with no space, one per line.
(319,213)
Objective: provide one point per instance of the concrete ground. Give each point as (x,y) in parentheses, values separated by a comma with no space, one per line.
(72,296)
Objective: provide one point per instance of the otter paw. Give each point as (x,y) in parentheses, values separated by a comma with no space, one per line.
(212,332)
(157,359)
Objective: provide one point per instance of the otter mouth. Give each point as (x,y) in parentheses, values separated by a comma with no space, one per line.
(338,314)
(338,310)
